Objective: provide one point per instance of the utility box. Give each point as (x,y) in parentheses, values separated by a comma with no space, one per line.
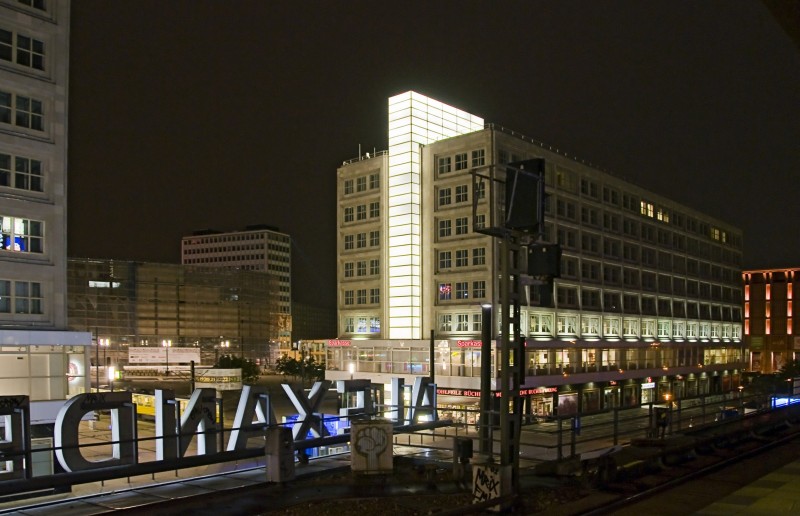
(371,447)
(280,454)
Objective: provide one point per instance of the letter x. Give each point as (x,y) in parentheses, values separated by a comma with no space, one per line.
(306,408)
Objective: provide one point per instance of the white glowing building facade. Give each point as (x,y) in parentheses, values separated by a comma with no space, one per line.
(39,357)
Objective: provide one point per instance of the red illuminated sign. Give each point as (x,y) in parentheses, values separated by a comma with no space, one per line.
(338,343)
(469,343)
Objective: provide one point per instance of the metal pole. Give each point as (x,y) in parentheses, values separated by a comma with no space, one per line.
(96,362)
(431,364)
(486,385)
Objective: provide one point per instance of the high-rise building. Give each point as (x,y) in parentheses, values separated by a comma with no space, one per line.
(258,248)
(647,284)
(770,330)
(39,357)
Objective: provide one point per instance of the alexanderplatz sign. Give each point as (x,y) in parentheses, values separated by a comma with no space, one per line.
(174,432)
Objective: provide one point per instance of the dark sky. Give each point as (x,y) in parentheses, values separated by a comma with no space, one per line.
(198,114)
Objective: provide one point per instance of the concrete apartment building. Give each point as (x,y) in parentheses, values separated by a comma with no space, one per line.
(770,330)
(39,356)
(648,302)
(259,248)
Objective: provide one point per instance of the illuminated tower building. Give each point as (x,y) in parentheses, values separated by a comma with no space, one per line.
(39,357)
(647,285)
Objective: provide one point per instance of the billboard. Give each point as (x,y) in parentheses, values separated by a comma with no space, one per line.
(158,355)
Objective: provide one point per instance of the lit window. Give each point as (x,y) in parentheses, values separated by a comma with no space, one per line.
(445,291)
(21,235)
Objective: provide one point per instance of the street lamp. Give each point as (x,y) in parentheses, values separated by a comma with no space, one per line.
(167,344)
(104,343)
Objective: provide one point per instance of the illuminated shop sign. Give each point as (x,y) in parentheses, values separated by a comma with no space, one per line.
(339,343)
(469,343)
(471,393)
(649,385)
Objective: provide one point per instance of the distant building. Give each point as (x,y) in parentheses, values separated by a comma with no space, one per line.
(257,248)
(770,331)
(648,303)
(132,304)
(40,357)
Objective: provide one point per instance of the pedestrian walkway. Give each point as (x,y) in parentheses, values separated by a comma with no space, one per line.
(775,493)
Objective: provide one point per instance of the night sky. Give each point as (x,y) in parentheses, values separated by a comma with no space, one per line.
(198,114)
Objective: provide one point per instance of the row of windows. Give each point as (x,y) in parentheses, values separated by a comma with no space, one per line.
(21,297)
(360,183)
(359,240)
(21,111)
(228,258)
(362,324)
(462,258)
(359,297)
(461,290)
(595,326)
(22,50)
(595,299)
(613,247)
(460,323)
(631,228)
(446,197)
(353,213)
(615,275)
(21,173)
(565,180)
(242,238)
(21,235)
(445,164)
(360,268)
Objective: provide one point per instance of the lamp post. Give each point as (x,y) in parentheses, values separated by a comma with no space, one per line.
(104,343)
(167,344)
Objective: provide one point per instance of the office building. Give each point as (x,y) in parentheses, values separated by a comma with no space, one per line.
(257,248)
(39,356)
(770,331)
(648,302)
(133,304)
